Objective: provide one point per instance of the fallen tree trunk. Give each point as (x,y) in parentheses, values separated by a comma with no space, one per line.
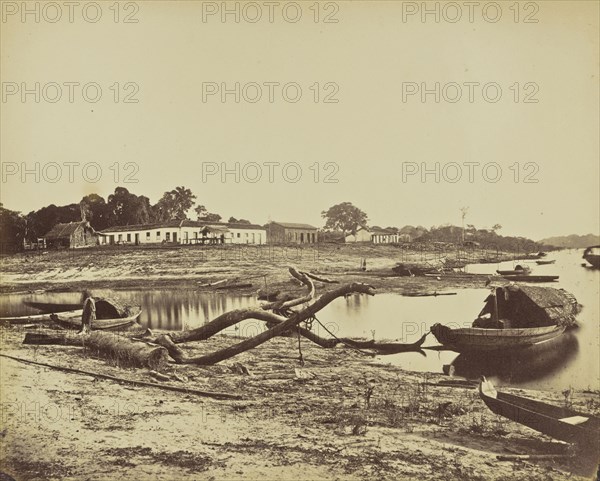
(115,348)
(276,330)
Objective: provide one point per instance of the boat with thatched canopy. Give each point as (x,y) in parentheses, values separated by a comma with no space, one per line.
(592,255)
(518,270)
(513,317)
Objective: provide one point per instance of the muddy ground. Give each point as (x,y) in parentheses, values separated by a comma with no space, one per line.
(341,415)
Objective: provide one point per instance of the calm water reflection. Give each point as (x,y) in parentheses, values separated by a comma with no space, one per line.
(573,360)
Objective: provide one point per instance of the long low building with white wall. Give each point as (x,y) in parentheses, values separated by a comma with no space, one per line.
(184,232)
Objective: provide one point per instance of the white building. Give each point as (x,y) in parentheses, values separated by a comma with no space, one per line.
(185,232)
(374,235)
(363,234)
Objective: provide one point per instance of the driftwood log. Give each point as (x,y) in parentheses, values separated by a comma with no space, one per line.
(110,346)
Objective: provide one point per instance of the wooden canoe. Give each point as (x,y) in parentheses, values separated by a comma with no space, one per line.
(475,339)
(519,270)
(557,422)
(30,319)
(72,319)
(53,306)
(545,262)
(100,324)
(530,278)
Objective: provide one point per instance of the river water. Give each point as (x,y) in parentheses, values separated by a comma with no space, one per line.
(572,360)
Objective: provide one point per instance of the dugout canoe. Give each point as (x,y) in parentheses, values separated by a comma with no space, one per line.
(530,278)
(554,421)
(99,324)
(545,262)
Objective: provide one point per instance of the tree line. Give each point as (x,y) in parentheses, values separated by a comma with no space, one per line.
(120,208)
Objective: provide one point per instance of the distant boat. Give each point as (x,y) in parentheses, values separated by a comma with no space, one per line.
(513,317)
(530,278)
(544,262)
(557,422)
(519,269)
(592,255)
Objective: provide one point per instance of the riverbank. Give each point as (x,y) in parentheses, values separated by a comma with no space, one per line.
(340,416)
(189,267)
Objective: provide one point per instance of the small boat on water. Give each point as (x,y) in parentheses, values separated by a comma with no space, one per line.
(30,319)
(558,422)
(100,324)
(530,278)
(513,317)
(592,255)
(518,270)
(110,315)
(72,319)
(544,262)
(53,306)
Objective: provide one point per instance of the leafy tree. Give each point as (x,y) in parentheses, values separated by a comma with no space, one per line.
(125,208)
(12,230)
(174,204)
(345,217)
(96,211)
(496,227)
(40,222)
(233,220)
(204,216)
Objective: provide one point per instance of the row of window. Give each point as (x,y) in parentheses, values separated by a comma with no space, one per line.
(128,237)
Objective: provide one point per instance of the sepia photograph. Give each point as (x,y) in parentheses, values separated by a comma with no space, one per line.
(300,240)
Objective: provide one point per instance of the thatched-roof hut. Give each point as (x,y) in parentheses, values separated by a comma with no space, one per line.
(531,306)
(72,234)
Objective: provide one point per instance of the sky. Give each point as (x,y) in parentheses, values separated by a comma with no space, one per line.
(408,116)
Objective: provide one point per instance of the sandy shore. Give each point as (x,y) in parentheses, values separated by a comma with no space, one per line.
(319,422)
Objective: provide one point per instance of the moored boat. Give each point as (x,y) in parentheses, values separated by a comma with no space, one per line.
(544,262)
(30,319)
(530,278)
(49,307)
(513,317)
(110,314)
(519,269)
(471,339)
(592,255)
(100,324)
(558,422)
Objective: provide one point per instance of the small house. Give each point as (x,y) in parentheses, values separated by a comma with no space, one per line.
(362,234)
(72,235)
(291,233)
